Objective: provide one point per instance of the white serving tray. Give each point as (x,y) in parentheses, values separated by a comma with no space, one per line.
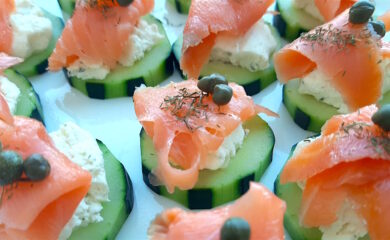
(114,122)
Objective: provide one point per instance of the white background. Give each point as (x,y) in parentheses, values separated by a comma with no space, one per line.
(114,122)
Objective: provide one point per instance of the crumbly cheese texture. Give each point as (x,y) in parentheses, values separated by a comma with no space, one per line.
(319,86)
(309,7)
(10,91)
(251,51)
(227,150)
(32,31)
(143,39)
(349,226)
(81,148)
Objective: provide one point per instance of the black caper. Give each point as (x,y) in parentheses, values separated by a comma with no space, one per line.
(379,27)
(207,83)
(222,94)
(382,117)
(124,3)
(36,167)
(235,229)
(361,12)
(11,167)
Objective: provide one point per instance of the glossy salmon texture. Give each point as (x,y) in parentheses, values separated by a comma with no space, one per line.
(330,9)
(97,36)
(259,207)
(207,19)
(349,54)
(174,124)
(348,162)
(38,210)
(6,35)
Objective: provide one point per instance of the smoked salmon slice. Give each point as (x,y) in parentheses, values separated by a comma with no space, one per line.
(38,210)
(330,9)
(180,115)
(348,162)
(259,207)
(349,54)
(6,34)
(207,19)
(97,35)
(7,61)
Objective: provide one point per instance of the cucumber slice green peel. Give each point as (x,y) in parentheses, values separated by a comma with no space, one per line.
(307,112)
(217,187)
(155,67)
(182,6)
(116,211)
(291,193)
(28,103)
(253,82)
(37,63)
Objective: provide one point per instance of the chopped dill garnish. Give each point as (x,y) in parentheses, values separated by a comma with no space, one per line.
(333,36)
(185,105)
(379,142)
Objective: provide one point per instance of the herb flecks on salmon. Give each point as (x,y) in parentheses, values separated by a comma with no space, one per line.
(348,162)
(179,115)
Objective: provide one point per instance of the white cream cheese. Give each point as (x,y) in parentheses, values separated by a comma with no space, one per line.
(251,51)
(32,31)
(143,39)
(349,226)
(309,7)
(81,148)
(227,150)
(319,85)
(10,91)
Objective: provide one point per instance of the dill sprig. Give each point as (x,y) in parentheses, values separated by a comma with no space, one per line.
(333,36)
(186,104)
(381,143)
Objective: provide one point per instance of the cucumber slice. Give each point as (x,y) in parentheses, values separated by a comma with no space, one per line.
(28,103)
(182,6)
(67,6)
(116,211)
(220,186)
(37,63)
(155,67)
(291,22)
(308,112)
(291,193)
(253,82)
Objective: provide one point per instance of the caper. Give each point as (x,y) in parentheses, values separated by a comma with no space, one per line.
(361,12)
(222,94)
(379,27)
(382,117)
(207,83)
(235,229)
(36,167)
(11,167)
(124,3)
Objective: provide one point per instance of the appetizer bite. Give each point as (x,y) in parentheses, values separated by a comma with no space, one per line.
(28,32)
(298,16)
(68,184)
(182,6)
(17,90)
(203,138)
(108,49)
(230,38)
(335,68)
(336,186)
(256,215)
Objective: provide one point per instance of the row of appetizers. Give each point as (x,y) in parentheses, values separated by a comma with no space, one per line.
(202,142)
